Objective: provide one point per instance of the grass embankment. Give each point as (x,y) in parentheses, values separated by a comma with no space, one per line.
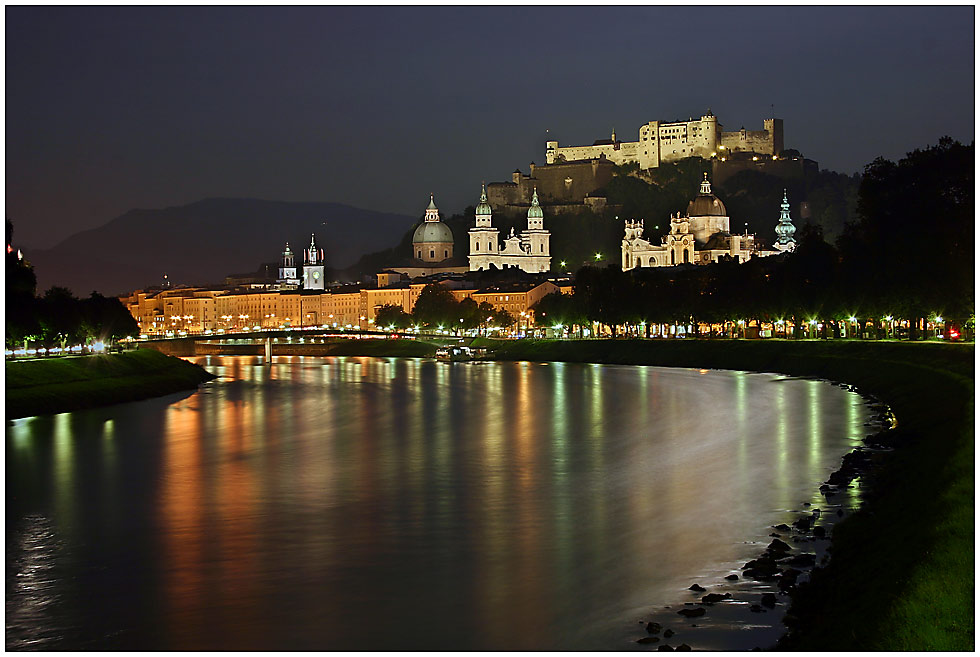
(58,385)
(902,573)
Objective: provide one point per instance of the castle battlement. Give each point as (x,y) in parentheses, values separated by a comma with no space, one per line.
(661,141)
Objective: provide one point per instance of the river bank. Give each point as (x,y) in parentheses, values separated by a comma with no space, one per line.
(902,572)
(60,385)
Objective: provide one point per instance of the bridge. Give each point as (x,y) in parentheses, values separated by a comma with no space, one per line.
(309,341)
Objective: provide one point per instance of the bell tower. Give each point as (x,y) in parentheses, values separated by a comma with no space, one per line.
(313,266)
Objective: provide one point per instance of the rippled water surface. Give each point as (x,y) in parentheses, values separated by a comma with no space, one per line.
(356,503)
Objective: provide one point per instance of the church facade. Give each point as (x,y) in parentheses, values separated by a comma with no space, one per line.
(702,236)
(530,251)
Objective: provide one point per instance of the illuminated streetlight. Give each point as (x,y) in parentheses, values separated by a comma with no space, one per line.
(598,256)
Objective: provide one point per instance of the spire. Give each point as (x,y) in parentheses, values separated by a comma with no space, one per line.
(785,228)
(483,210)
(535,215)
(432,212)
(313,255)
(705,184)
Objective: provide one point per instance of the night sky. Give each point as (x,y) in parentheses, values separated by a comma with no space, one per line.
(114,108)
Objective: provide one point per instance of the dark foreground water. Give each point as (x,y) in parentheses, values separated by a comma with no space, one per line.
(356,503)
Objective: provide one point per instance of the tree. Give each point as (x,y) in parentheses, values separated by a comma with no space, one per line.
(389,315)
(436,306)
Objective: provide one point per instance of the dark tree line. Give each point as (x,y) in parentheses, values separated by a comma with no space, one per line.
(909,256)
(57,318)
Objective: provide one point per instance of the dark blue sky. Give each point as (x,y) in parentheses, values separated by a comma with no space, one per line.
(114,108)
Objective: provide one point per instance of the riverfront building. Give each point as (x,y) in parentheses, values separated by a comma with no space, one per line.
(203,310)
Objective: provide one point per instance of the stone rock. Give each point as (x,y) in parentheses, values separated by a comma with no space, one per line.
(683,646)
(692,613)
(731,578)
(819,532)
(712,598)
(769,600)
(775,535)
(803,524)
(783,527)
(696,587)
(756,609)
(668,633)
(666,648)
(802,559)
(840,512)
(648,639)
(778,546)
(653,628)
(788,579)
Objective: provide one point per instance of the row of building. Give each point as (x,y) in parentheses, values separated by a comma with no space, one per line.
(200,310)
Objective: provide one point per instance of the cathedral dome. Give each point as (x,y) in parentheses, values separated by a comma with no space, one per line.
(432,232)
(706,204)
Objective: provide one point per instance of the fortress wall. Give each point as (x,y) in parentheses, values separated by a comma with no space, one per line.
(503,193)
(758,141)
(569,182)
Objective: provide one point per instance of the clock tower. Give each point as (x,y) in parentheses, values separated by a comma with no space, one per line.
(313,266)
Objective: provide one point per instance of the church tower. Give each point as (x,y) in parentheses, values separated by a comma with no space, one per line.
(287,268)
(483,236)
(785,228)
(313,266)
(537,238)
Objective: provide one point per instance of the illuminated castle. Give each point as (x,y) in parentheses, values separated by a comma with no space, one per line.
(660,142)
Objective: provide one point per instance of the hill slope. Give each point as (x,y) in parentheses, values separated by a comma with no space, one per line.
(204,241)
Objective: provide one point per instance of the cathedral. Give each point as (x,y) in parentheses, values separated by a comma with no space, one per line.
(701,236)
(530,251)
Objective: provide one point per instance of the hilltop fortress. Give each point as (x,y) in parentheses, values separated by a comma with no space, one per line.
(574,176)
(671,141)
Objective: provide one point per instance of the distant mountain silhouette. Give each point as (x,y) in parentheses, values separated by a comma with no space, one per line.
(203,242)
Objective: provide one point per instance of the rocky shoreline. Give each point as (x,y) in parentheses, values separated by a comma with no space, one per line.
(766,584)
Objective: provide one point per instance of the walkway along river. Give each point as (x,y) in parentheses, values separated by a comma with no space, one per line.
(400,504)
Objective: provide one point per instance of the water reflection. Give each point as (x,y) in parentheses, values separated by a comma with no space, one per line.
(355,503)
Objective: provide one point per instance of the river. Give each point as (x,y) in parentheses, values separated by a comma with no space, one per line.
(404,504)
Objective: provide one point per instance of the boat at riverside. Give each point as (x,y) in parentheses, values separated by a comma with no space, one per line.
(454,354)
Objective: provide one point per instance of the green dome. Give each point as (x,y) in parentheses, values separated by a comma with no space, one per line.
(483,207)
(432,232)
(535,212)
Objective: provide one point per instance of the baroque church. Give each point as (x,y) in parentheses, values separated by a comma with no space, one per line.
(530,251)
(701,236)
